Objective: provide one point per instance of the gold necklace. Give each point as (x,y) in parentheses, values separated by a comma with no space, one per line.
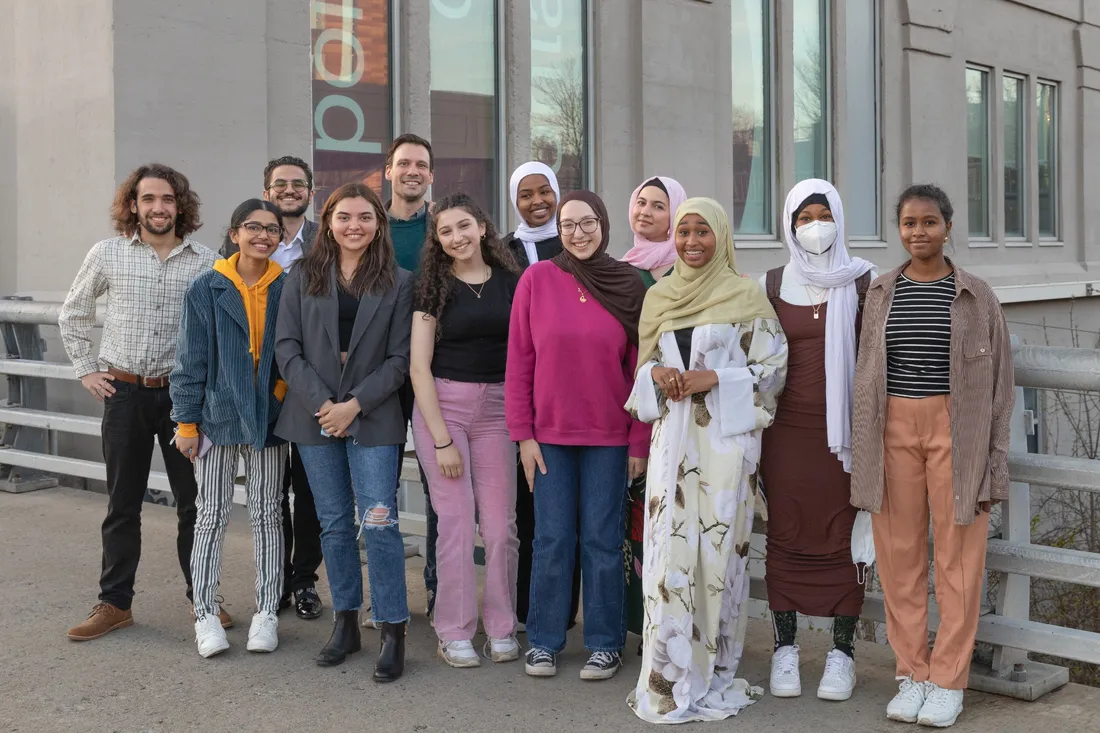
(815,306)
(477,293)
(581,292)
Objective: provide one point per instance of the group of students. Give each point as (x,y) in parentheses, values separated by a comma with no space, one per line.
(658,402)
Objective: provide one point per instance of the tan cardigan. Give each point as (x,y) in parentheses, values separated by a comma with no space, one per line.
(982,396)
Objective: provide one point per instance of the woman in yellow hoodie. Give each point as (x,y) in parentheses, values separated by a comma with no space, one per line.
(226,397)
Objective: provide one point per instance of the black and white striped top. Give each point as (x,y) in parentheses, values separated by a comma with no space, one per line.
(918,338)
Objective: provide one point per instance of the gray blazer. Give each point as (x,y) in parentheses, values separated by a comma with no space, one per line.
(307,350)
(309,231)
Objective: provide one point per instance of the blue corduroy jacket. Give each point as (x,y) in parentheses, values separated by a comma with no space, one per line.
(214,382)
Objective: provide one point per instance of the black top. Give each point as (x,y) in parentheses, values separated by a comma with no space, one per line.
(546,249)
(473,332)
(918,338)
(683,343)
(349,306)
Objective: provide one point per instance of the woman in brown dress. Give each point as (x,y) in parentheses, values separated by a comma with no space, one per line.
(806,460)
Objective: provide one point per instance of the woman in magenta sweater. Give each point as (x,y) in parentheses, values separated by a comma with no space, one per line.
(572,349)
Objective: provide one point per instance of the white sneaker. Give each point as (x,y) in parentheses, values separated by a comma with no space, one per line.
(459,653)
(907,704)
(263,635)
(839,678)
(502,650)
(210,636)
(785,680)
(941,707)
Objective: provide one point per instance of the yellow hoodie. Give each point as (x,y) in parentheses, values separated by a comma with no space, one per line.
(255,308)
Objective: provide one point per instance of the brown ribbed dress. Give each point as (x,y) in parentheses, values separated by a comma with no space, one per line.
(809,559)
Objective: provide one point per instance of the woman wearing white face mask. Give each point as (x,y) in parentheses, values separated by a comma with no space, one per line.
(806,460)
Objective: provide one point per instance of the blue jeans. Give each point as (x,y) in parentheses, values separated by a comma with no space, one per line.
(344,474)
(589,483)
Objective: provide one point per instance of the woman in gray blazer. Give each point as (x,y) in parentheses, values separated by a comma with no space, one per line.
(343,348)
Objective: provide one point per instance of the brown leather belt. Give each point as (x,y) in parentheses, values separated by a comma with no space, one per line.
(148,382)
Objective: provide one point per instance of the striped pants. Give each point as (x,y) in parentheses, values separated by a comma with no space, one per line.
(216,473)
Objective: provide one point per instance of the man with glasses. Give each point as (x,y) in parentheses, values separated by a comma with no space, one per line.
(288,183)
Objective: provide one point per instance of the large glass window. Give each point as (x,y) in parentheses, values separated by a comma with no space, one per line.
(559,119)
(861,162)
(977,151)
(1015,170)
(1047,137)
(752,117)
(352,101)
(464,99)
(811,84)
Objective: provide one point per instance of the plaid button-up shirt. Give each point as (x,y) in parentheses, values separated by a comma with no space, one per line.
(144,297)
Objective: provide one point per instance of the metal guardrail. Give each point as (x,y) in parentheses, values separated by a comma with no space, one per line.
(1013,556)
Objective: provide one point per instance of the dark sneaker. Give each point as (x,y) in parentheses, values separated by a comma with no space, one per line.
(602,666)
(307,604)
(284,603)
(541,662)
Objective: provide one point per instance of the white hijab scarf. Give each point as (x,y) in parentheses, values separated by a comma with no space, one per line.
(525,233)
(837,272)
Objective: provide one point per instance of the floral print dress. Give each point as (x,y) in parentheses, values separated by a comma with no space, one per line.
(700,495)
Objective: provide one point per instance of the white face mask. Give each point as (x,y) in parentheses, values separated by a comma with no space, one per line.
(817,237)
(863,545)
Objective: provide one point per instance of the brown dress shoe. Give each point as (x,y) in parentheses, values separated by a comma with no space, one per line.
(223,616)
(104,619)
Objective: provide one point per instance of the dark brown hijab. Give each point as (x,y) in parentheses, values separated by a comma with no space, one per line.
(615,285)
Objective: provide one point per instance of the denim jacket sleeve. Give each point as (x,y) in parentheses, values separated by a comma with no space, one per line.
(187,385)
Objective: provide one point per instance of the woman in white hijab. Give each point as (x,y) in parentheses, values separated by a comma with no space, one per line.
(806,460)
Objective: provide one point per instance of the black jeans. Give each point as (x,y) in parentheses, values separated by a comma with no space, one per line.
(132,418)
(302,533)
(525,527)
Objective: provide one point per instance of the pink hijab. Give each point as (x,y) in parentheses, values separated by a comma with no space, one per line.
(656,257)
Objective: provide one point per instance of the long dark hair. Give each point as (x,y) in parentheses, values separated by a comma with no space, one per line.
(240,216)
(433,287)
(377,269)
(187,201)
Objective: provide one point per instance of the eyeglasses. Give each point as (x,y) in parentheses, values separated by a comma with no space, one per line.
(298,183)
(588,226)
(254,227)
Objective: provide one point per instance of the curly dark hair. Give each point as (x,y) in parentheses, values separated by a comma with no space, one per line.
(433,286)
(287,160)
(927,192)
(187,201)
(377,269)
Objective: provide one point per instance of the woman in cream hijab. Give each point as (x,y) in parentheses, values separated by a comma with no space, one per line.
(713,360)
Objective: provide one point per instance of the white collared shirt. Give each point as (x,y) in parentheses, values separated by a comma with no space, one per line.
(287,254)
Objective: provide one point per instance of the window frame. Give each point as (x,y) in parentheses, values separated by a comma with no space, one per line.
(1024,239)
(978,241)
(1054,239)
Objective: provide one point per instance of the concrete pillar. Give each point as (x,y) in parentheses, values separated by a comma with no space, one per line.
(517,98)
(412,67)
(1088,94)
(289,82)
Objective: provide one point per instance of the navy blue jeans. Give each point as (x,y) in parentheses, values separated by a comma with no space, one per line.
(586,483)
(344,474)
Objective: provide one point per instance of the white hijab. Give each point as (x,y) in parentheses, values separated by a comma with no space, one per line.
(837,272)
(524,232)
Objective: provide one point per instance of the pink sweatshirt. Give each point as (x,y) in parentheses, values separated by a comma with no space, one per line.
(570,367)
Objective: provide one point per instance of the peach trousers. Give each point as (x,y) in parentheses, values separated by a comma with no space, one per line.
(919,475)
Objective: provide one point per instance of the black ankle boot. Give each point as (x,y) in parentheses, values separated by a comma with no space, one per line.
(391,657)
(344,640)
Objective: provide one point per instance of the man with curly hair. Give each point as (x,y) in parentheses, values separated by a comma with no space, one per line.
(144,272)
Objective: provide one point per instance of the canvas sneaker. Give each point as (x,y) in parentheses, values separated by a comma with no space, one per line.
(263,635)
(541,662)
(839,679)
(785,680)
(210,636)
(941,707)
(602,666)
(907,704)
(459,653)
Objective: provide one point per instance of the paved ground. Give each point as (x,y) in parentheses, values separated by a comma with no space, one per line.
(149,677)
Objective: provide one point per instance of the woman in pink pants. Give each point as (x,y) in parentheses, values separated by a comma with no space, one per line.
(459,343)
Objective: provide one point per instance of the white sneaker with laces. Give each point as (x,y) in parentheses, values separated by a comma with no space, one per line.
(907,704)
(785,680)
(839,678)
(459,653)
(210,636)
(263,635)
(502,650)
(941,707)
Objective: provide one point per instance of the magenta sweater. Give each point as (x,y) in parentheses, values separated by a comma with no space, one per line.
(570,367)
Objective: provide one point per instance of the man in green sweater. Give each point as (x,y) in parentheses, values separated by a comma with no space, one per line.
(410,168)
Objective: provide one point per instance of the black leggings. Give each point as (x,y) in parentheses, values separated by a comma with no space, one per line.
(844,631)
